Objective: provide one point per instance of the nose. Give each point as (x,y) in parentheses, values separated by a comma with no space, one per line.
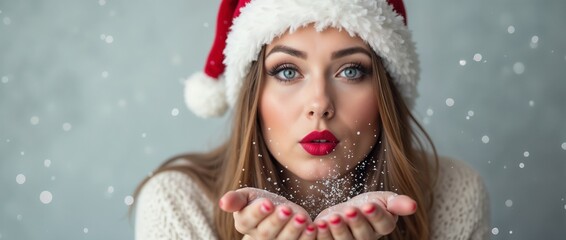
(320,105)
(323,114)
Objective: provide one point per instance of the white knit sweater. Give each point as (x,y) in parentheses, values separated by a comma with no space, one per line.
(172,206)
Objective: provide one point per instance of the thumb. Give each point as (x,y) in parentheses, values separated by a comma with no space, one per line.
(233,201)
(401,205)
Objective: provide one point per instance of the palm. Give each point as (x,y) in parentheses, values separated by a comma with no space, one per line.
(254,215)
(256,193)
(379,198)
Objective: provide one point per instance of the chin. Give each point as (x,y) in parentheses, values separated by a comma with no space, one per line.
(319,171)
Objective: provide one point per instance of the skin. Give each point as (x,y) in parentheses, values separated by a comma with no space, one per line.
(311,86)
(318,96)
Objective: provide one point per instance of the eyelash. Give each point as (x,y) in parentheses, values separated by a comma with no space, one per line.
(358,66)
(279,68)
(274,71)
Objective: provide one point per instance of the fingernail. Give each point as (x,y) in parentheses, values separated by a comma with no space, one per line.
(284,213)
(300,219)
(310,228)
(335,220)
(351,214)
(414,207)
(370,210)
(265,207)
(321,225)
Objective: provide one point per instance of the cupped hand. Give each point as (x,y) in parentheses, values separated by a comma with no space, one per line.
(370,215)
(260,214)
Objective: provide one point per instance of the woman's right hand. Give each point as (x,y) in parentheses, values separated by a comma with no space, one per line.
(260,215)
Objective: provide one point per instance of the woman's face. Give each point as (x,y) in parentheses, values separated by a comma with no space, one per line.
(316,83)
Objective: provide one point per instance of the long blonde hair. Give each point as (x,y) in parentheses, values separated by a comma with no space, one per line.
(400,162)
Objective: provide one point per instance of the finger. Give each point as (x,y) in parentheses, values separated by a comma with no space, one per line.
(359,225)
(382,221)
(233,201)
(401,205)
(249,217)
(309,233)
(294,227)
(323,231)
(339,228)
(270,227)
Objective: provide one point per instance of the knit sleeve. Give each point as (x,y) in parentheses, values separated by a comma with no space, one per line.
(172,206)
(461,203)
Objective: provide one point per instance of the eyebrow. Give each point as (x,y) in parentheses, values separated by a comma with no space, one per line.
(289,50)
(349,51)
(303,55)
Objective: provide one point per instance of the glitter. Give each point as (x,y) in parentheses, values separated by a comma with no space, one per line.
(511,29)
(477,57)
(495,231)
(450,102)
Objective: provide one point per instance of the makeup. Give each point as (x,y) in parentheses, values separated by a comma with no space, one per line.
(319,143)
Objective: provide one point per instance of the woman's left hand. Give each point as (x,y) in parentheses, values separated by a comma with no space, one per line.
(370,215)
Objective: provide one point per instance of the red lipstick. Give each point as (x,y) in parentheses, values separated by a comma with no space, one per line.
(319,143)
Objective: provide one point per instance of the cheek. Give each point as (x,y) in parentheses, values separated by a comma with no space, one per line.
(275,119)
(360,108)
(368,117)
(361,114)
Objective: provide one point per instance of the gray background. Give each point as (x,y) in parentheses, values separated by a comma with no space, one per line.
(93,87)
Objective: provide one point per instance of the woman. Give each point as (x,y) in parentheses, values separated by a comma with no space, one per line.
(323,143)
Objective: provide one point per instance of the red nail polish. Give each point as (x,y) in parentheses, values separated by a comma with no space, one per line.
(265,207)
(414,207)
(370,210)
(286,212)
(352,214)
(335,220)
(300,219)
(321,225)
(310,228)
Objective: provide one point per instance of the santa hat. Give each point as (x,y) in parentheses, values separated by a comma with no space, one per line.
(244,26)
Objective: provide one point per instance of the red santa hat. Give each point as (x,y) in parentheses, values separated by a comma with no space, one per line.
(245,26)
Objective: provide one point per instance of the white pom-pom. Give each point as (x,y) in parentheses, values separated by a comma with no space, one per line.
(205,96)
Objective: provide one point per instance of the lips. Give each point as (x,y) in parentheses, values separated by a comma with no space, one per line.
(319,143)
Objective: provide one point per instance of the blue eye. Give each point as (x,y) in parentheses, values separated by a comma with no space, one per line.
(353,72)
(284,73)
(287,74)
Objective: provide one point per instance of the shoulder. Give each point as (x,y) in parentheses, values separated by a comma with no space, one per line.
(172,205)
(452,172)
(165,183)
(461,202)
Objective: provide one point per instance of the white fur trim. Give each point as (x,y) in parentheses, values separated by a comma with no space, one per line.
(374,21)
(205,96)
